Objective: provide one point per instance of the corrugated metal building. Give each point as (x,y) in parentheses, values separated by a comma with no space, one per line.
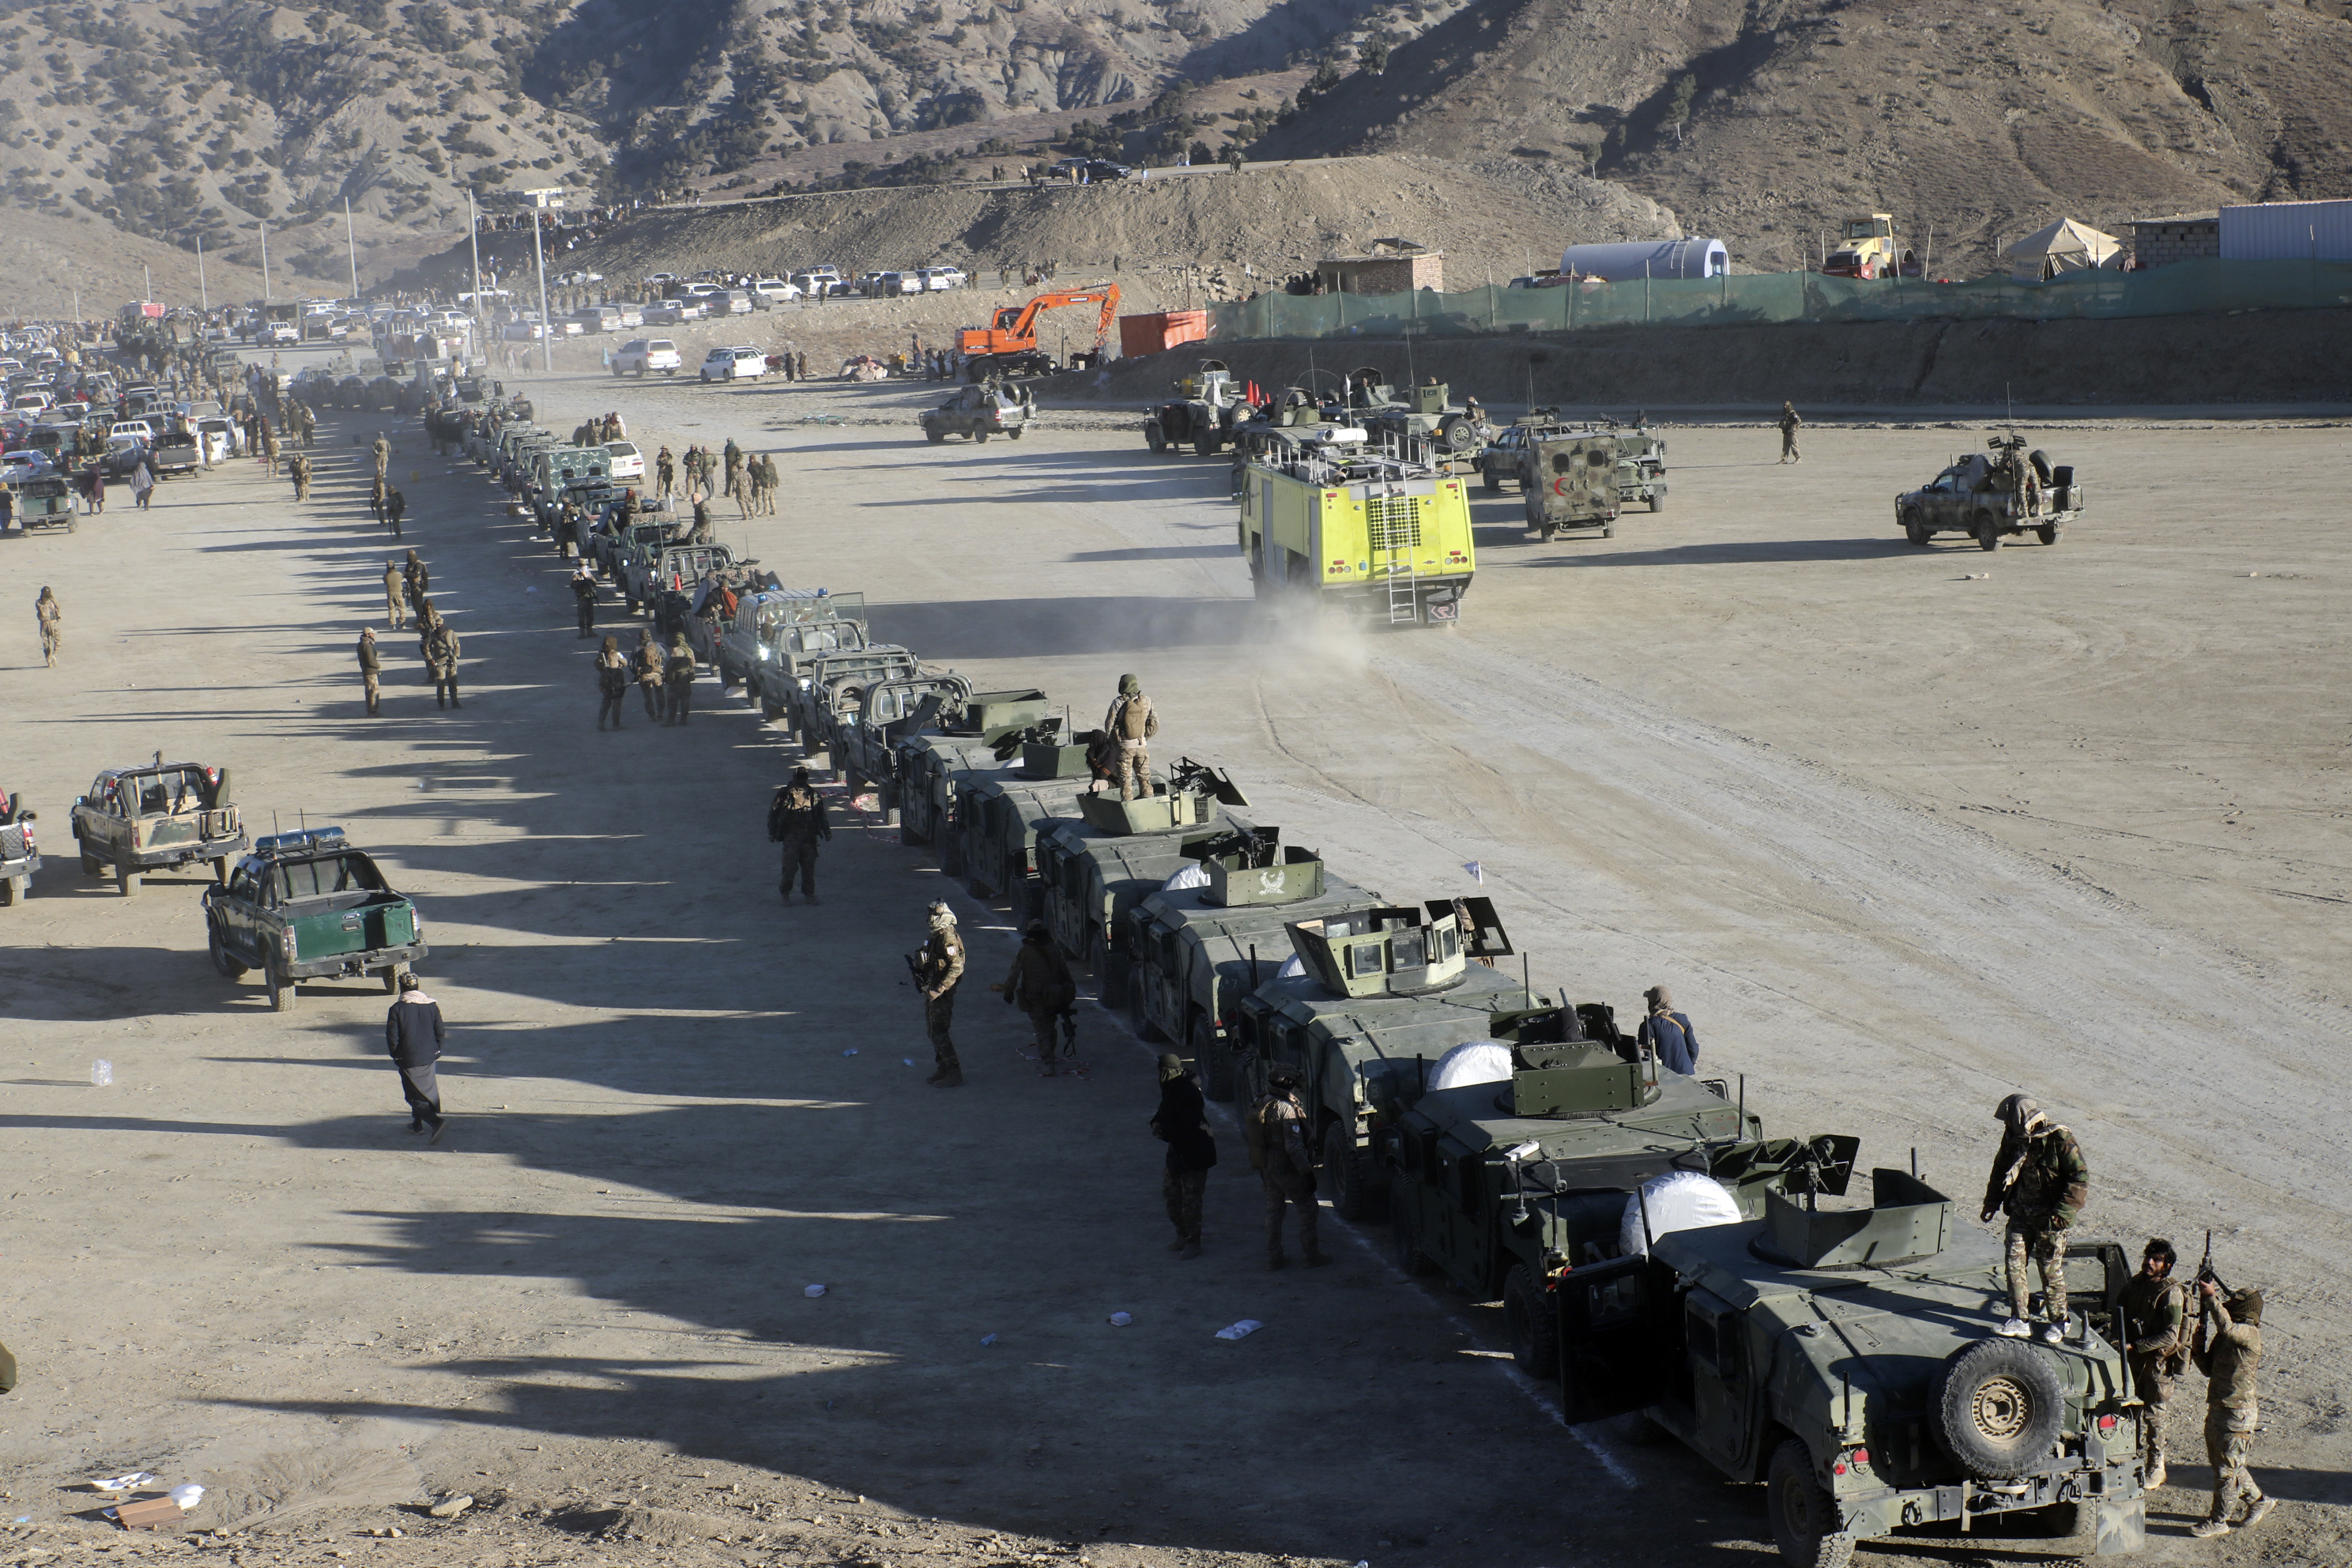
(2183,236)
(1630,261)
(2287,231)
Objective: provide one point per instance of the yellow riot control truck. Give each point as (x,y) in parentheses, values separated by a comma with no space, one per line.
(1326,518)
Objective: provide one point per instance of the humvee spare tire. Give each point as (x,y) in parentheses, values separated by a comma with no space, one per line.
(1998,1407)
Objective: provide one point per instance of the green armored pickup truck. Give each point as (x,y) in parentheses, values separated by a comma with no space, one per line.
(305,906)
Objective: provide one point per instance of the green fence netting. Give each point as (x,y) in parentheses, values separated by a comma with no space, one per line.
(2208,286)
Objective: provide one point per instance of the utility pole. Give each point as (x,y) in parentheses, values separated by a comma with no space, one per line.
(265,263)
(474,236)
(351,247)
(542,201)
(204,295)
(147,275)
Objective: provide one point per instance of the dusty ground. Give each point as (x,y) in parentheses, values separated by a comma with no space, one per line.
(1902,838)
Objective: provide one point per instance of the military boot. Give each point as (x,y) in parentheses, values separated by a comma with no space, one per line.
(949,1078)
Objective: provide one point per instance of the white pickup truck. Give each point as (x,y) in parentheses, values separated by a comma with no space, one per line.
(639,355)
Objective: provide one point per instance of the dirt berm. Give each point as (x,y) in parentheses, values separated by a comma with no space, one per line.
(2283,357)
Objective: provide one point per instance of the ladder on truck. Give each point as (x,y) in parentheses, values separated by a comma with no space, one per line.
(1395,535)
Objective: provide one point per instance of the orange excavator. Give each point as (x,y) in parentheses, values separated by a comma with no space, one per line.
(1008,345)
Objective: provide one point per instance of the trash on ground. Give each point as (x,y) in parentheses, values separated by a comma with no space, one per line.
(988,1339)
(147,1514)
(122,1483)
(1240,1330)
(850,1052)
(101,1073)
(187,1495)
(813,1291)
(1121,1319)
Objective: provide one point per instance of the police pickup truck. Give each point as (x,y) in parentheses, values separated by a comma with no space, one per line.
(20,852)
(778,632)
(307,905)
(155,817)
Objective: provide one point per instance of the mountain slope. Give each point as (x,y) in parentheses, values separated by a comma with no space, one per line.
(1766,123)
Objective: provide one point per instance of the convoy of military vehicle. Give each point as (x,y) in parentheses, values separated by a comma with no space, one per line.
(1522,1146)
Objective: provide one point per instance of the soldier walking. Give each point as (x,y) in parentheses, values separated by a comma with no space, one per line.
(395,506)
(268,450)
(298,468)
(383,450)
(939,968)
(796,819)
(2229,1351)
(375,498)
(678,674)
(371,671)
(1790,423)
(413,1037)
(769,481)
(651,670)
(612,682)
(584,596)
(666,472)
(1039,983)
(395,595)
(733,456)
(1183,1123)
(52,618)
(1277,1136)
(441,650)
(2156,1342)
(1131,723)
(2041,1181)
(418,581)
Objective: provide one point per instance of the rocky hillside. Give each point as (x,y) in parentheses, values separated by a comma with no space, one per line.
(1764,121)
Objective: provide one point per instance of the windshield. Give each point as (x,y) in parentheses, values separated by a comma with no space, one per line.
(324,878)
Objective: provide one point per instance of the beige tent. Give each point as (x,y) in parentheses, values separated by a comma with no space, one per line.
(2064,246)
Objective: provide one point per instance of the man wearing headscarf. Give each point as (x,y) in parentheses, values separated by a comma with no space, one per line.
(938,969)
(1183,1123)
(612,681)
(678,674)
(651,670)
(2229,1351)
(1669,1032)
(2041,1181)
(796,819)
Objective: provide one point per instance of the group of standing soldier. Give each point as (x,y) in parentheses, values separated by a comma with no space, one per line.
(2040,1183)
(405,587)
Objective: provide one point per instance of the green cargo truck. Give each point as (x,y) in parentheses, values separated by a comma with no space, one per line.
(307,905)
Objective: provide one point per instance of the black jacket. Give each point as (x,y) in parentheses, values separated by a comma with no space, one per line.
(412,1032)
(1183,1123)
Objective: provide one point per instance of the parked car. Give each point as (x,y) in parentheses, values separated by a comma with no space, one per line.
(775,291)
(673,312)
(153,817)
(739,363)
(980,412)
(630,316)
(943,276)
(628,462)
(24,464)
(733,302)
(597,318)
(639,355)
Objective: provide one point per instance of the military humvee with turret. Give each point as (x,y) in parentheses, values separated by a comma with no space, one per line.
(1092,871)
(1406,414)
(1850,1360)
(930,762)
(1203,413)
(1194,951)
(1381,992)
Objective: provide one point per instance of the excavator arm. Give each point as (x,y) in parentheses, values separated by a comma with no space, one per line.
(1022,333)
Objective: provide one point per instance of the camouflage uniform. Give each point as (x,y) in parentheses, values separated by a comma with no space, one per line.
(665,473)
(371,672)
(383,450)
(1039,983)
(678,674)
(395,595)
(441,651)
(2041,1181)
(1131,723)
(796,819)
(1790,422)
(1277,1134)
(2154,1308)
(300,471)
(2228,1353)
(937,970)
(651,666)
(52,617)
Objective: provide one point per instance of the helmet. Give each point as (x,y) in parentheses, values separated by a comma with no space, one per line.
(1282,1078)
(941,914)
(1033,928)
(1172,1067)
(2017,1113)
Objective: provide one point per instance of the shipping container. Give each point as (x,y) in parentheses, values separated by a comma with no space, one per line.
(1659,259)
(1159,332)
(2287,231)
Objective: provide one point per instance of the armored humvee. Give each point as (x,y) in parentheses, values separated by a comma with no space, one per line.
(1381,992)
(863,745)
(1850,1360)
(999,817)
(1203,413)
(1499,1183)
(930,761)
(1091,871)
(1406,414)
(1641,469)
(1569,479)
(1194,951)
(155,817)
(1994,498)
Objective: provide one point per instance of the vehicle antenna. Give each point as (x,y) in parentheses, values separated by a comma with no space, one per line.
(1915,1161)
(1743,1107)
(1525,981)
(1643,1198)
(304,819)
(1253,966)
(273,822)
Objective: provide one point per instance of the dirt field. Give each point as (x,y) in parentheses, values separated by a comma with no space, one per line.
(1902,838)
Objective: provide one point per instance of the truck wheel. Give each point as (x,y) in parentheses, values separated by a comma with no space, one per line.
(1409,1259)
(1347,1175)
(281,989)
(2047,533)
(771,711)
(90,866)
(222,960)
(1998,1407)
(391,978)
(1215,1060)
(1204,444)
(616,370)
(1527,1317)
(1014,434)
(979,438)
(1987,533)
(1608,531)
(1489,483)
(1915,527)
(220,869)
(1153,438)
(887,798)
(950,842)
(11,889)
(936,435)
(126,878)
(1803,1511)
